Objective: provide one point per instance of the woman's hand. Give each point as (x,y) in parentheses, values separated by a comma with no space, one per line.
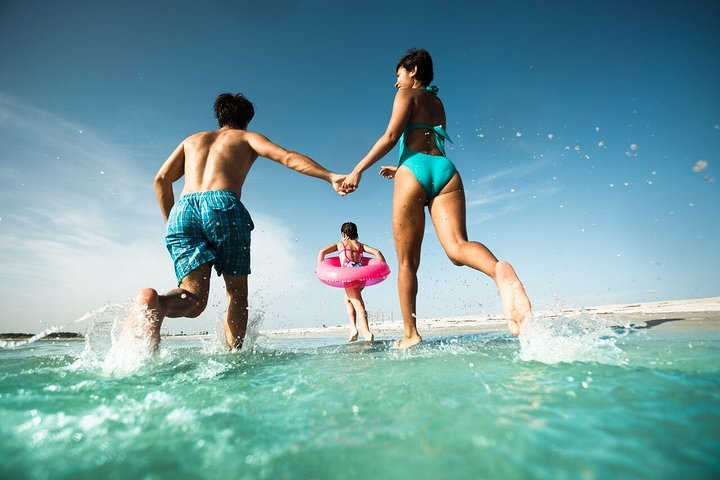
(388,172)
(352,180)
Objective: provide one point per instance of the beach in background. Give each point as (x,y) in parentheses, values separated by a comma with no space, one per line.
(672,314)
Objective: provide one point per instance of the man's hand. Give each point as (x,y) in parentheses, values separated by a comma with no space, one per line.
(337,184)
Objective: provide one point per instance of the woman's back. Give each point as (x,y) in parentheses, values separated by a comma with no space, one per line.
(427,110)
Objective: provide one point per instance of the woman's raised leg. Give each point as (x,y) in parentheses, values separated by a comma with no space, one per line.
(448,216)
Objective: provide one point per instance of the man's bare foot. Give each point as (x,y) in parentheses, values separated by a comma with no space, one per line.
(515,302)
(148,327)
(353,335)
(407,342)
(369,337)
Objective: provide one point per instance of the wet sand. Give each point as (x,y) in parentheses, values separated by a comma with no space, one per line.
(696,313)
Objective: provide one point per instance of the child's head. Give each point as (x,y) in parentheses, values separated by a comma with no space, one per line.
(349,230)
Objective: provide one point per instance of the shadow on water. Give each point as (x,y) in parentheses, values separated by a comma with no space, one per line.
(646,325)
(429,344)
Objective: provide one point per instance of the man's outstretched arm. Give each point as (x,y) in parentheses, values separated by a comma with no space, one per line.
(294,160)
(171,171)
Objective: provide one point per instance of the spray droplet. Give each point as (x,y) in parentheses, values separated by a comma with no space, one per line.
(700,165)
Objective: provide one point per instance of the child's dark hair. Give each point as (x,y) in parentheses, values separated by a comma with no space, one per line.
(233,110)
(349,229)
(420,58)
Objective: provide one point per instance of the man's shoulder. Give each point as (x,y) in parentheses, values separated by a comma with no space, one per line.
(211,135)
(199,135)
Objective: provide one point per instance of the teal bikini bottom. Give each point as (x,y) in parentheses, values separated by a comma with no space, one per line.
(433,172)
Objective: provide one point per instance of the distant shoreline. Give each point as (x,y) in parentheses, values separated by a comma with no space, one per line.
(640,312)
(697,309)
(52,336)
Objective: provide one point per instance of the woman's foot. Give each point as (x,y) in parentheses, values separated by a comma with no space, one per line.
(407,342)
(369,337)
(515,302)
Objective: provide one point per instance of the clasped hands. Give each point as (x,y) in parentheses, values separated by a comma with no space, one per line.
(346,184)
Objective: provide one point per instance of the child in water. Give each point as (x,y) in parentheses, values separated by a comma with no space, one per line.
(351,255)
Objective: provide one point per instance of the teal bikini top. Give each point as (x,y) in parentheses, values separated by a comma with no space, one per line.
(440,133)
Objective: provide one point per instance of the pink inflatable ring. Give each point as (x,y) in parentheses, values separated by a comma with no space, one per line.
(371,272)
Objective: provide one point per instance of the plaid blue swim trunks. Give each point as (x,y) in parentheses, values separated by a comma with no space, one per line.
(209,227)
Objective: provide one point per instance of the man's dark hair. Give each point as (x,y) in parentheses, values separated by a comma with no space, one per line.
(349,229)
(233,110)
(420,58)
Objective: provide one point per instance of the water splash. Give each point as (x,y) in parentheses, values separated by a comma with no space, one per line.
(117,342)
(56,328)
(581,338)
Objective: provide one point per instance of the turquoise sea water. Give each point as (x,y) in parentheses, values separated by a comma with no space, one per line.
(575,399)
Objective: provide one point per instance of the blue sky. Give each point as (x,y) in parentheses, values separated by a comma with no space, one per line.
(576,127)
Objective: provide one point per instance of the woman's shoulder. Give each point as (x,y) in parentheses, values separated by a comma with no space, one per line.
(406,94)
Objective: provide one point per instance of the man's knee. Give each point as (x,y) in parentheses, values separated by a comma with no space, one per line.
(237,297)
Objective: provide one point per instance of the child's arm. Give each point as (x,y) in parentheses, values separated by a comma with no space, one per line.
(325,251)
(374,252)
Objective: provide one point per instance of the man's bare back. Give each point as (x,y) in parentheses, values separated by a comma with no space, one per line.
(217,160)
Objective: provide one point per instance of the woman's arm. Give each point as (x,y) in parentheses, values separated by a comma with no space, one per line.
(374,252)
(401,113)
(325,251)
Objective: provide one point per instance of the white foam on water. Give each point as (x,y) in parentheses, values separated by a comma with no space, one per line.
(581,338)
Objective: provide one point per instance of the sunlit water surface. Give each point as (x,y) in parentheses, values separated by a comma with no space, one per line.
(574,399)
